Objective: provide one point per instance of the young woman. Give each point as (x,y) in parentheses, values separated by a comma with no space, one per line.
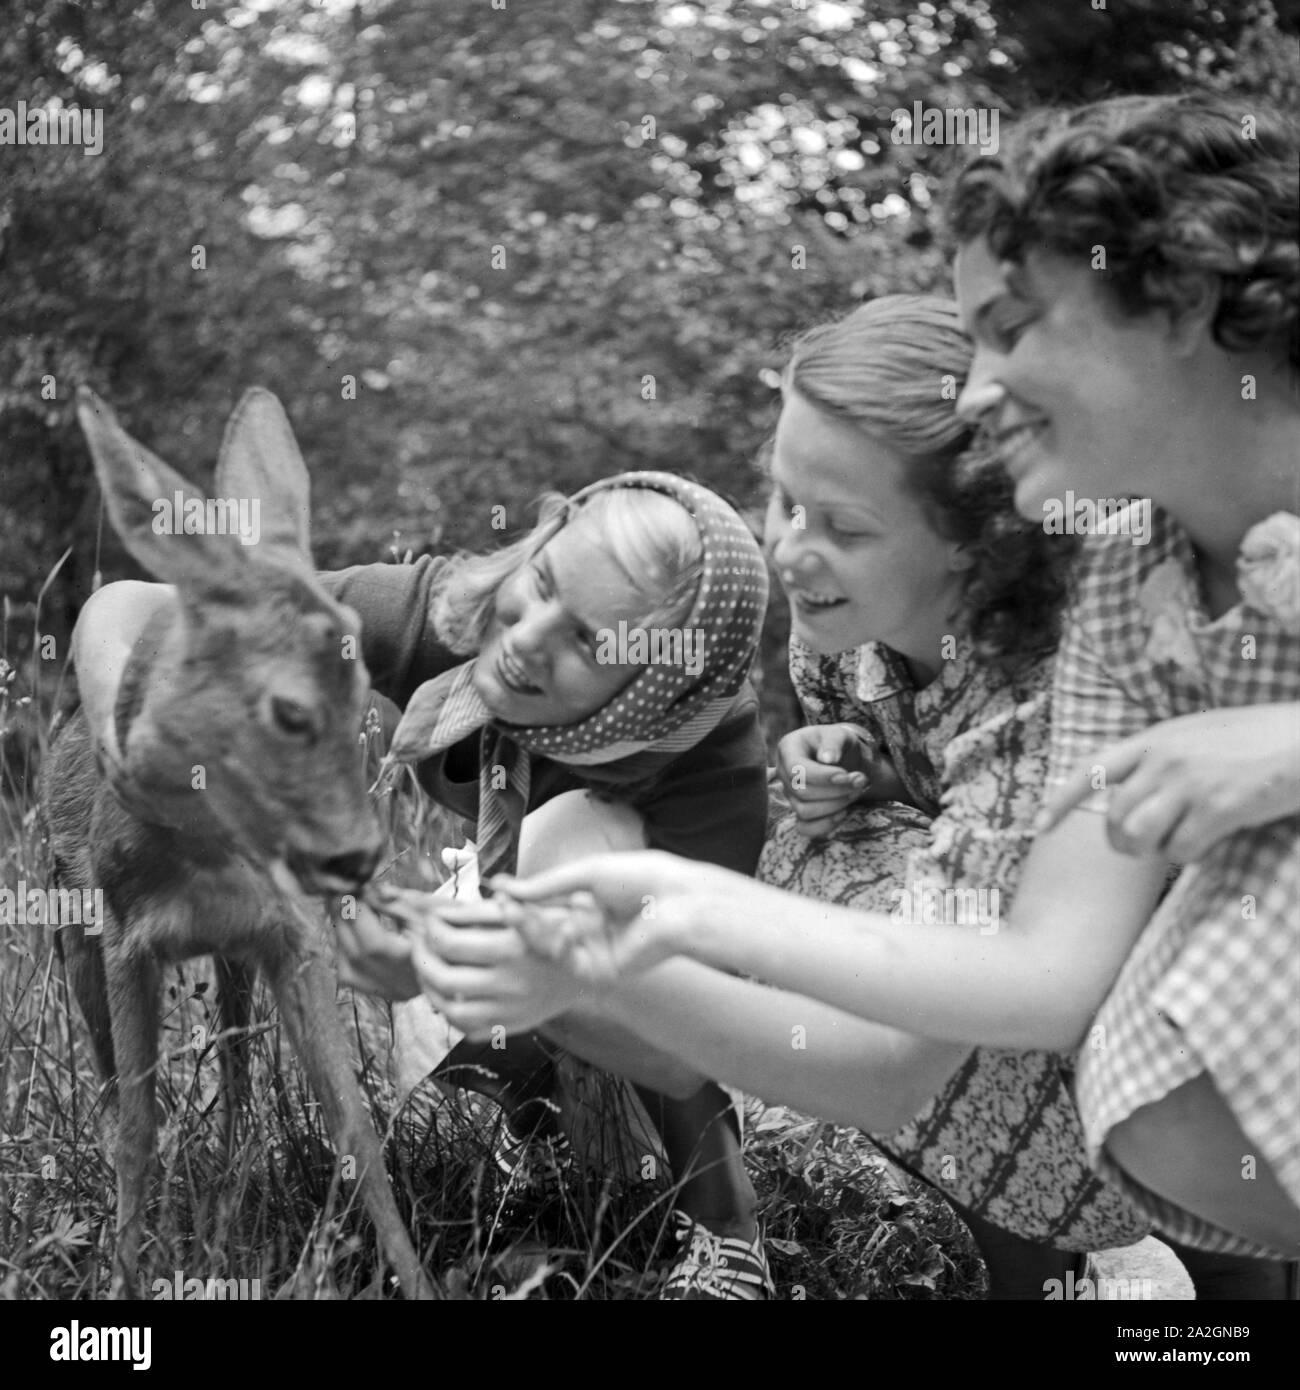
(1188,348)
(1169,377)
(533,715)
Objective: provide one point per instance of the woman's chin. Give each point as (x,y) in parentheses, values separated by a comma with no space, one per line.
(825,637)
(493,694)
(1033,494)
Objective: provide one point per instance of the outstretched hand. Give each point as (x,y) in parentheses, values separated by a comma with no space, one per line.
(534,949)
(1179,787)
(609,916)
(483,978)
(376,936)
(374,957)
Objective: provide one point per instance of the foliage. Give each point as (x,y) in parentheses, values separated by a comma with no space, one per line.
(672,189)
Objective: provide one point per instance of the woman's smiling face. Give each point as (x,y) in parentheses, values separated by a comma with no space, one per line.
(1074,394)
(538,663)
(853,547)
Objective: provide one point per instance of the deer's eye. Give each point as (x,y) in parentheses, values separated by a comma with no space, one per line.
(291,717)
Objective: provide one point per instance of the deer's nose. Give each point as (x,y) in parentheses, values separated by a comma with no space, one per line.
(357,866)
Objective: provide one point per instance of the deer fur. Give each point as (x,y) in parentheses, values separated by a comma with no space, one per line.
(226,792)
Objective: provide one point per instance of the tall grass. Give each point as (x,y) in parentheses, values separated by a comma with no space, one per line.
(272,1208)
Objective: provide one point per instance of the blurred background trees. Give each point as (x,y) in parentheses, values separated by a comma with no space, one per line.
(484,247)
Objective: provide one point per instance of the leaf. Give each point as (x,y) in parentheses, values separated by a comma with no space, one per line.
(65,1231)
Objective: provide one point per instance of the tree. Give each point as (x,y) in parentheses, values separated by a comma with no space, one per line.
(480,252)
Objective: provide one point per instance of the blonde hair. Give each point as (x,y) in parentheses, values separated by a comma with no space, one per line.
(652,538)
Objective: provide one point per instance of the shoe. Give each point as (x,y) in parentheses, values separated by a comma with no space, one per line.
(521,1079)
(713,1267)
(529,1147)
(521,1071)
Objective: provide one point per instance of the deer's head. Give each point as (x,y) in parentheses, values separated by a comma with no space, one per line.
(249,714)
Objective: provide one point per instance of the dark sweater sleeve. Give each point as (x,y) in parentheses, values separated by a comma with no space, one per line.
(711,803)
(399,644)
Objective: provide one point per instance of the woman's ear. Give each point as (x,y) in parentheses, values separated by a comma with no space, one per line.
(1191,303)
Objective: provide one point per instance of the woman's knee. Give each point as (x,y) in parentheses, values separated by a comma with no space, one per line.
(568,827)
(575,824)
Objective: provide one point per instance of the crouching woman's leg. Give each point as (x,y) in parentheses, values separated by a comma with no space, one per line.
(715,1220)
(693,1115)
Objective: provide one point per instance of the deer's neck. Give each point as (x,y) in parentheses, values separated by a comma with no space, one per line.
(139,769)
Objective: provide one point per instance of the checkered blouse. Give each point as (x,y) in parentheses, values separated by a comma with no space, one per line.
(1213,983)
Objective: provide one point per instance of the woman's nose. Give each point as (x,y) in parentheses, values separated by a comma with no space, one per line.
(983,391)
(534,626)
(788,545)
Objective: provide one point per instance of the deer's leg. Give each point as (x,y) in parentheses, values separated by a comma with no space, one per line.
(305,989)
(133,989)
(83,958)
(235,1004)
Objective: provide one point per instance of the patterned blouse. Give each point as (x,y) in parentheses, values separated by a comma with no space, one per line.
(1213,984)
(1003,1137)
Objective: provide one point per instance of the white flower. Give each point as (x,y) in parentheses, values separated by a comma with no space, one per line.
(1268,568)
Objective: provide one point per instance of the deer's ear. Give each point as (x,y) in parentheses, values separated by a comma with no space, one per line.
(140,491)
(260,461)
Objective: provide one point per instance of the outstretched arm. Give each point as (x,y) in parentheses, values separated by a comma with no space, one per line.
(1032,982)
(398,640)
(782,1046)
(110,622)
(788,1048)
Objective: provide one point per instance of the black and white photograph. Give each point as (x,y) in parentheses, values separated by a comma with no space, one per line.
(650,651)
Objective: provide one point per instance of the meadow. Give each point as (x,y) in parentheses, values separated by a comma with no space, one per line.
(275,1214)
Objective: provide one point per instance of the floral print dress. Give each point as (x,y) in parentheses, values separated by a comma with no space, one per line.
(1003,1138)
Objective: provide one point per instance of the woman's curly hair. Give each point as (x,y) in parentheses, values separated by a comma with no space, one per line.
(1170,187)
(894,368)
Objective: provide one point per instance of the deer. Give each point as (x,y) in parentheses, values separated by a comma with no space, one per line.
(223,802)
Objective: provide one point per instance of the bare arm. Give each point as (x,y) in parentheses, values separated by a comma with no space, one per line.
(1034,982)
(1180,786)
(779,1045)
(107,628)
(785,1047)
